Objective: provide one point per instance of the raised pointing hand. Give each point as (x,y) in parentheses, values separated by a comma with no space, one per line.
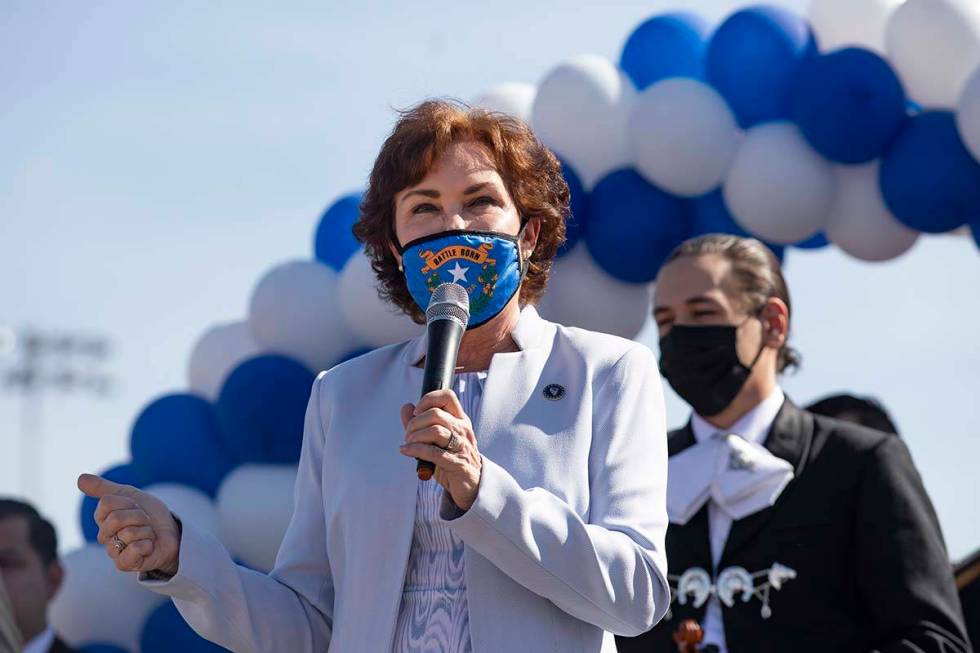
(139,520)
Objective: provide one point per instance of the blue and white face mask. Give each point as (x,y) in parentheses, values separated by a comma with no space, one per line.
(487,264)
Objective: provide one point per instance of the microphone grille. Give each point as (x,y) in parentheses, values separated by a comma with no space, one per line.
(450,301)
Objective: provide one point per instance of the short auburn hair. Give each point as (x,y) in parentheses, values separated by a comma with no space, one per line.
(530,171)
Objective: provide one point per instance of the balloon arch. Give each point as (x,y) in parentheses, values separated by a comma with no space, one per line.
(835,129)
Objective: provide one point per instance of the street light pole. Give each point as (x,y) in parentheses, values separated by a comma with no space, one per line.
(49,362)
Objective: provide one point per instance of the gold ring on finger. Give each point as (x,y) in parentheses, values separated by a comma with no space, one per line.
(119,544)
(455,445)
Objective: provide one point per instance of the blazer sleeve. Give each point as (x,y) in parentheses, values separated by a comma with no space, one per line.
(904,572)
(609,571)
(246,611)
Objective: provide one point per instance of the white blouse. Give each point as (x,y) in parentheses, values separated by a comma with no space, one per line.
(434,616)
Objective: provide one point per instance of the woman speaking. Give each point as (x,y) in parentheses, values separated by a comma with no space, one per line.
(544,528)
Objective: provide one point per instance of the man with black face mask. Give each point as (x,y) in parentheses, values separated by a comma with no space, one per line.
(788,531)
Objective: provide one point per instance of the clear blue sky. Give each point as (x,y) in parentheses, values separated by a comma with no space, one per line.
(157,158)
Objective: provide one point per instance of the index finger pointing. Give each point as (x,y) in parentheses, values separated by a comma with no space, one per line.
(98,487)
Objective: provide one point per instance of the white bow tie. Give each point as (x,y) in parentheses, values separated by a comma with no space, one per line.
(740,476)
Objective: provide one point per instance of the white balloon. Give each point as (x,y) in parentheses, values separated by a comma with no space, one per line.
(968,115)
(376,322)
(683,136)
(779,189)
(851,23)
(581,111)
(514,99)
(294,310)
(581,294)
(98,603)
(216,354)
(934,45)
(859,222)
(189,504)
(255,504)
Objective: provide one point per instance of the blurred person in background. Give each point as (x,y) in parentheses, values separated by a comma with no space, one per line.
(866,411)
(31,573)
(789,531)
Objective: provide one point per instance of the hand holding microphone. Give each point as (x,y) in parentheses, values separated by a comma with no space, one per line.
(437,431)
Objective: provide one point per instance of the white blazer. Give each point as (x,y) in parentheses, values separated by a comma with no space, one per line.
(564,545)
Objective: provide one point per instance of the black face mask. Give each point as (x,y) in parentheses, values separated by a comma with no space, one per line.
(702,366)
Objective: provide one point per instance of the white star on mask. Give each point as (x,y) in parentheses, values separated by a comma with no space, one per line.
(459,273)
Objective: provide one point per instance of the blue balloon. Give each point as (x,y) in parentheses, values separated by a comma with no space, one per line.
(816,241)
(633,226)
(165,631)
(334,242)
(710,215)
(261,407)
(668,45)
(100,647)
(578,216)
(928,178)
(176,440)
(752,59)
(849,104)
(124,474)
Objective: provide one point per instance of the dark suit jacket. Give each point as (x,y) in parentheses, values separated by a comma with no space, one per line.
(60,647)
(858,528)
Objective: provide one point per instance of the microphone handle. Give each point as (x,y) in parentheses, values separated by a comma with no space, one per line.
(443,338)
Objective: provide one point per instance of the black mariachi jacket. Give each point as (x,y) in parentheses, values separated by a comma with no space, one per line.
(60,647)
(855,524)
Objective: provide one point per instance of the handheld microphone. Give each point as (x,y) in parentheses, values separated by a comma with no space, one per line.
(446,319)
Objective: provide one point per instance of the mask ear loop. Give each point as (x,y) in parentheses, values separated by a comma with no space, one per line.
(762,345)
(755,360)
(524,264)
(401,253)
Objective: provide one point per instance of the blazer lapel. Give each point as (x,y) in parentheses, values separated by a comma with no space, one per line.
(688,545)
(789,438)
(680,440)
(513,379)
(385,505)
